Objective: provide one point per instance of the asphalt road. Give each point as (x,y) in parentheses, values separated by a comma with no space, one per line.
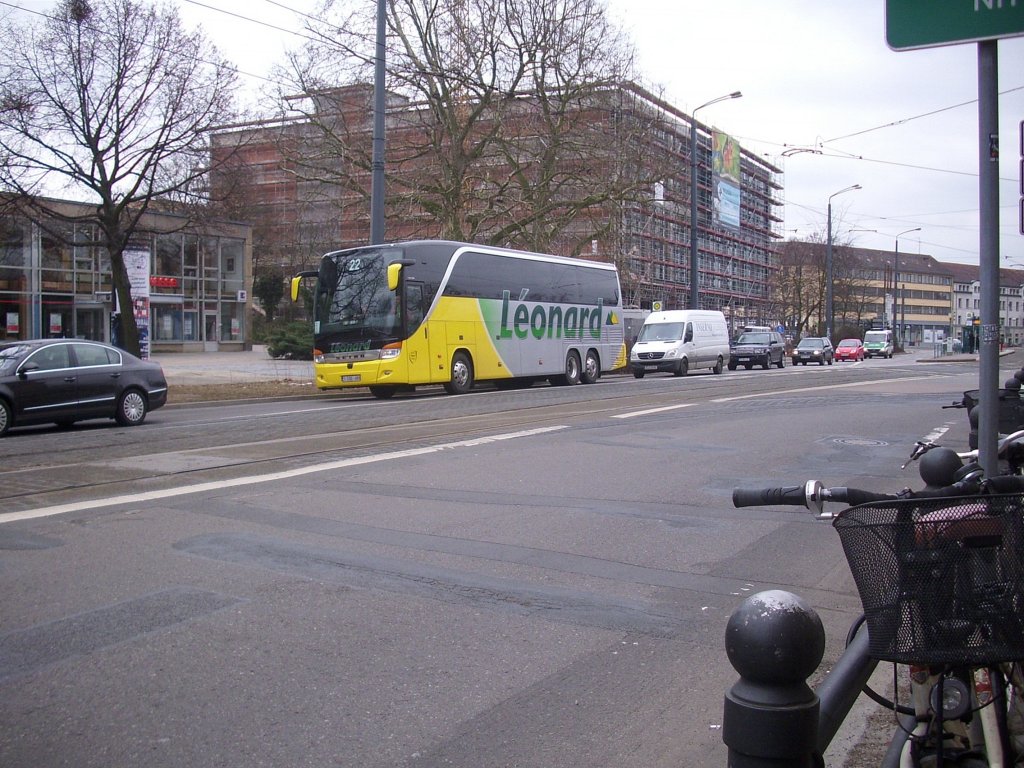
(533,578)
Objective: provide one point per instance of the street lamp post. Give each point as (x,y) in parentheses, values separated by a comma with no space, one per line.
(694,277)
(829,315)
(896,293)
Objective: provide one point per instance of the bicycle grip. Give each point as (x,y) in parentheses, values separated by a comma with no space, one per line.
(793,495)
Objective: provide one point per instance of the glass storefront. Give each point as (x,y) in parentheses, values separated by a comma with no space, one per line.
(55,281)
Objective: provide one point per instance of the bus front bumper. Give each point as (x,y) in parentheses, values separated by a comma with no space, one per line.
(366,374)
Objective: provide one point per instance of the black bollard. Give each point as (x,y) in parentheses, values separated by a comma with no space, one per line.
(775,640)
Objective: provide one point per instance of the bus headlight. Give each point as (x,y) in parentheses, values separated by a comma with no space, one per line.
(391,351)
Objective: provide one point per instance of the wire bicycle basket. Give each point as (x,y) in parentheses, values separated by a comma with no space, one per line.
(941,580)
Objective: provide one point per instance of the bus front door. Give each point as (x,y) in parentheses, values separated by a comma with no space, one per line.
(417,344)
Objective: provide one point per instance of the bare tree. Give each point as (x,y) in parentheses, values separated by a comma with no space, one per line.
(110,101)
(506,123)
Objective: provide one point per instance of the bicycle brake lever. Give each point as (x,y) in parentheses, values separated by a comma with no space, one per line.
(920,448)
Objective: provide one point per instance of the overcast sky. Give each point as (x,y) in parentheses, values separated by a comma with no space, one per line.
(815,74)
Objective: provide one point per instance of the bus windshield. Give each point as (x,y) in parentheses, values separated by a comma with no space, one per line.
(353,300)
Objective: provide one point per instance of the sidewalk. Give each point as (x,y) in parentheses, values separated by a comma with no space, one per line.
(231,367)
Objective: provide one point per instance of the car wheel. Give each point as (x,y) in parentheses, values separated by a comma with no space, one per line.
(382,393)
(131,408)
(718,367)
(782,362)
(5,417)
(683,368)
(732,366)
(591,368)
(748,366)
(830,361)
(638,373)
(821,361)
(767,362)
(461,378)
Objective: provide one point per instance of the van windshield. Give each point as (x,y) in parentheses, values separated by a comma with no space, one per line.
(870,336)
(662,332)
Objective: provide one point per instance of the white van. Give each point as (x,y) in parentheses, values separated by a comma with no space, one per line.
(878,343)
(680,341)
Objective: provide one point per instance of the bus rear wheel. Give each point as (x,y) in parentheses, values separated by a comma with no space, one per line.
(461,379)
(591,368)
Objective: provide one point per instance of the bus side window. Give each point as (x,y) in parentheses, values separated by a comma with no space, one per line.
(414,305)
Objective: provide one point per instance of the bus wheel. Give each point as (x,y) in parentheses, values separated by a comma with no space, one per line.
(462,375)
(382,393)
(591,368)
(572,368)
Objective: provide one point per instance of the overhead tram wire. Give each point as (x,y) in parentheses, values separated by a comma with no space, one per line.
(918,117)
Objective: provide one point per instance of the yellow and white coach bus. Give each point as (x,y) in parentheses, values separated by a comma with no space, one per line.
(392,316)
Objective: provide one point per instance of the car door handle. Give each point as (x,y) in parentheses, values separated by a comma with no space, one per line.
(116,375)
(70,379)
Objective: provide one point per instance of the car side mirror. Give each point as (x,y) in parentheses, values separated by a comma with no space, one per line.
(24,370)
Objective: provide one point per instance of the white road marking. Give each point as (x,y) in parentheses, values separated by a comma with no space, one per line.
(137,498)
(651,410)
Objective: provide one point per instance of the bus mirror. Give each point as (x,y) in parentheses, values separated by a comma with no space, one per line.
(393,272)
(298,279)
(394,269)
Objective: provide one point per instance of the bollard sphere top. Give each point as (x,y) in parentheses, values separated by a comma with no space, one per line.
(775,637)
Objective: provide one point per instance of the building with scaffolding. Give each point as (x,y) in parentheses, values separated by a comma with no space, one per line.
(304,183)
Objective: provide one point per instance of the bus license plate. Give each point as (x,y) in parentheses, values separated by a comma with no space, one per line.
(353,377)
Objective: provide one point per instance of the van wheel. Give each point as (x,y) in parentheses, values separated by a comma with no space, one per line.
(591,368)
(683,368)
(718,366)
(461,380)
(638,373)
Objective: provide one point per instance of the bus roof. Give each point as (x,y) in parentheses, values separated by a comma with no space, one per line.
(453,246)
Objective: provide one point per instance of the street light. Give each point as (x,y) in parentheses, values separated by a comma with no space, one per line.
(828,263)
(694,281)
(896,284)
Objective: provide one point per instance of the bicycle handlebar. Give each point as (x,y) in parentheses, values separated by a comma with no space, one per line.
(813,494)
(791,495)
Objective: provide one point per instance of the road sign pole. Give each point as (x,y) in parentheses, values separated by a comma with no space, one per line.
(988,198)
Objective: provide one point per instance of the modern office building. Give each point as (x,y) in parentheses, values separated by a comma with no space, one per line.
(193,282)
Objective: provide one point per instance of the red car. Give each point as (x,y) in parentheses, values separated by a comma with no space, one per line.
(849,349)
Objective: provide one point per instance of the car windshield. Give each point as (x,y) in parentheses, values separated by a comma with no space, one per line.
(661,332)
(12,350)
(810,344)
(753,338)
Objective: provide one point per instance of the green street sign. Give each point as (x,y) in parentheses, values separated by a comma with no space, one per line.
(911,24)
